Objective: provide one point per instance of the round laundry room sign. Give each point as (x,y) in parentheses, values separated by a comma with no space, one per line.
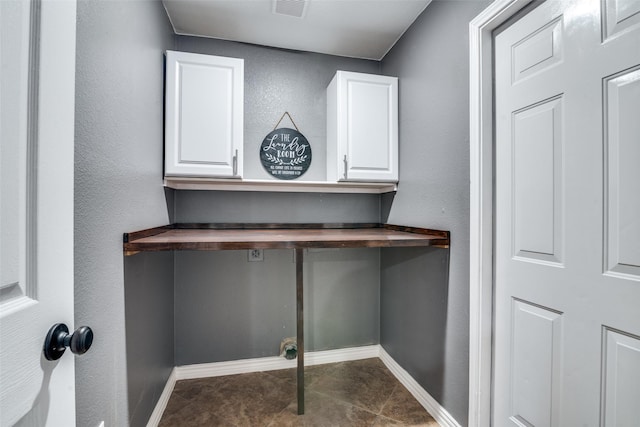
(285,153)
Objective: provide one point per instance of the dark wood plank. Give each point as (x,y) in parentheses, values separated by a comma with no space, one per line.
(442,242)
(135,235)
(236,237)
(276,226)
(406,229)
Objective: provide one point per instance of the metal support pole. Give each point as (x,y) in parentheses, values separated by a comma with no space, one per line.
(300,327)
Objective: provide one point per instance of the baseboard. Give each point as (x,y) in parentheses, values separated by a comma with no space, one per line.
(341,355)
(262,364)
(156,415)
(436,410)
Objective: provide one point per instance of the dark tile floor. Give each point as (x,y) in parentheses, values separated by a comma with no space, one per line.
(359,393)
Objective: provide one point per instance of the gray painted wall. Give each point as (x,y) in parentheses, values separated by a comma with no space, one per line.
(118,188)
(249,307)
(431,61)
(148,301)
(414,299)
(230,309)
(223,206)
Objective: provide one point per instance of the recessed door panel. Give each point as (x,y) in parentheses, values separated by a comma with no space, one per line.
(537,181)
(205,126)
(538,50)
(17,151)
(622,105)
(621,379)
(369,125)
(620,16)
(536,364)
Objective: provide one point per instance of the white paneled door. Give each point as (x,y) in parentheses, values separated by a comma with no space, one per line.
(567,216)
(37,80)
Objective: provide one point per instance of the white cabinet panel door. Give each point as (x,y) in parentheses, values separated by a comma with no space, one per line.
(567,216)
(204,115)
(362,128)
(37,88)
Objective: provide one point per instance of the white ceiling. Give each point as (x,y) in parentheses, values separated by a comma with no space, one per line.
(365,29)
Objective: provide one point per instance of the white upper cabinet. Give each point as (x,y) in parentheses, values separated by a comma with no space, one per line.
(362,128)
(204,115)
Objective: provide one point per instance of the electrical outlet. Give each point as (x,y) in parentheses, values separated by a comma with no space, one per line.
(254,255)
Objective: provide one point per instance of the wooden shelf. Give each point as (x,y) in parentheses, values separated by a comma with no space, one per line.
(215,237)
(184,183)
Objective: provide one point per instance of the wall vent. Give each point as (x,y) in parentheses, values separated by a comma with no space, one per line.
(296,8)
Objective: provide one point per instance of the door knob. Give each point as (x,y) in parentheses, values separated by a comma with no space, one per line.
(58,339)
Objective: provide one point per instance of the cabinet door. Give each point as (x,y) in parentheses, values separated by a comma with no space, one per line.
(204,115)
(366,127)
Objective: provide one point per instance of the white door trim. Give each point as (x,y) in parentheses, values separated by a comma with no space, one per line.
(481,204)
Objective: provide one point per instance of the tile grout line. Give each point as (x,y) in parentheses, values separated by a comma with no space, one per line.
(342,402)
(345,403)
(331,397)
(388,399)
(292,400)
(275,416)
